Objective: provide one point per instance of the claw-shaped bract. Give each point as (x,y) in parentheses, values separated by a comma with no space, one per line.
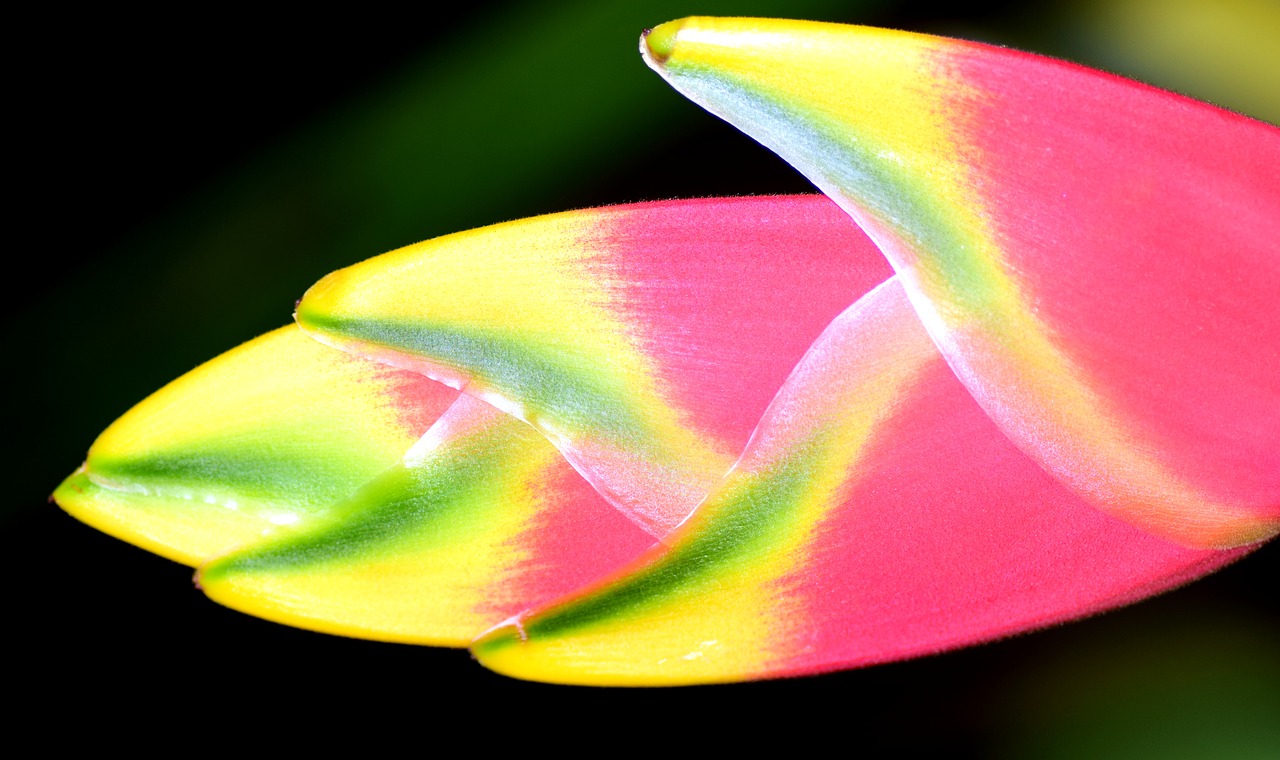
(338,493)
(1066,400)
(1096,258)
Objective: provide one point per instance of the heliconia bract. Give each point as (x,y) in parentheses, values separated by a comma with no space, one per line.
(331,492)
(644,341)
(877,514)
(481,519)
(265,436)
(1097,259)
(716,440)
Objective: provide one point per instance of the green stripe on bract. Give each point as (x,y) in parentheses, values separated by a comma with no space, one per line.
(439,503)
(893,194)
(581,395)
(263,473)
(747,522)
(175,525)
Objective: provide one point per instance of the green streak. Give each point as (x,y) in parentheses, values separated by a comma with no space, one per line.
(575,389)
(451,497)
(823,149)
(749,521)
(273,473)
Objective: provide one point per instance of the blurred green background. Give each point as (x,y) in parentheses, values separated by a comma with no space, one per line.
(180,192)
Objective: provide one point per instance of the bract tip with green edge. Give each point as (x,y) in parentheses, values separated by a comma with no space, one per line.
(657,43)
(264,436)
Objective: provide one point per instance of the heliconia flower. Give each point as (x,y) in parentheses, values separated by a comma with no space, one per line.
(877,514)
(1096,259)
(715,440)
(644,341)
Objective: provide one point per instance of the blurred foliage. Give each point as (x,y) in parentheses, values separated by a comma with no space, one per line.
(1225,52)
(1165,686)
(181,191)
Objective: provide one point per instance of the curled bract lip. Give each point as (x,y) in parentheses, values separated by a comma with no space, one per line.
(720,439)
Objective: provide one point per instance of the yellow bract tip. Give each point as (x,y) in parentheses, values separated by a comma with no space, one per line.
(656,43)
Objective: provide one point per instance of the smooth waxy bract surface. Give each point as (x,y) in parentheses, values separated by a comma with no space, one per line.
(479,520)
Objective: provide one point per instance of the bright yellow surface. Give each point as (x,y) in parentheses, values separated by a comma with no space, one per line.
(266,435)
(667,646)
(183,530)
(282,389)
(436,585)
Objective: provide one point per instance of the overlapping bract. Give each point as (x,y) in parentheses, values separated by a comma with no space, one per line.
(876,514)
(1080,330)
(265,436)
(1095,258)
(637,339)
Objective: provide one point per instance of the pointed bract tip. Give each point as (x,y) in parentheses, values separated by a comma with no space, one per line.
(493,648)
(656,44)
(314,299)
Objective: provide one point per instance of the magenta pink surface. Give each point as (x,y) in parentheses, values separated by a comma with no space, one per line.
(951,536)
(418,401)
(731,293)
(577,539)
(1145,229)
